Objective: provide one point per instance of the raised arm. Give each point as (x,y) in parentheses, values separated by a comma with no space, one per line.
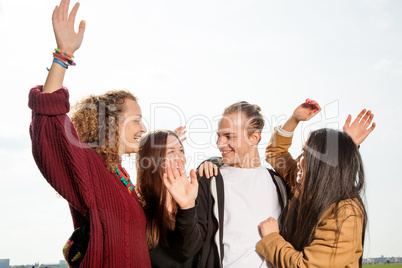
(360,128)
(67,41)
(59,155)
(277,154)
(303,112)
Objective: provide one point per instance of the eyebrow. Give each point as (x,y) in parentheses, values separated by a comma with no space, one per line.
(138,115)
(224,133)
(172,148)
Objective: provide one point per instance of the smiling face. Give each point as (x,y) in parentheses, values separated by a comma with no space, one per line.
(131,129)
(237,147)
(174,149)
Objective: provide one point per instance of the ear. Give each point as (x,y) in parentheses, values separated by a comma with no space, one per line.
(255,137)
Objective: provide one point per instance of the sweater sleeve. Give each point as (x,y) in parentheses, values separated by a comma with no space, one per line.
(189,232)
(322,251)
(278,156)
(59,155)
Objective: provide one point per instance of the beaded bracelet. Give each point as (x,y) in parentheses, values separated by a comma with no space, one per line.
(67,60)
(63,56)
(60,62)
(61,52)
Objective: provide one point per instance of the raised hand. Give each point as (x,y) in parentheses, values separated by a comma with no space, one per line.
(67,40)
(268,226)
(63,25)
(360,128)
(306,110)
(180,131)
(209,168)
(303,112)
(183,191)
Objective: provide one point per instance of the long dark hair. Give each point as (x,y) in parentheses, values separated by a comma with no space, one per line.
(150,189)
(333,172)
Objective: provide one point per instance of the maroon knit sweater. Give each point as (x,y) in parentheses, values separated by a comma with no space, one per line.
(76,172)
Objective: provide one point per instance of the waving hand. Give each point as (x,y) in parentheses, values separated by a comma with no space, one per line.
(183,191)
(360,128)
(63,25)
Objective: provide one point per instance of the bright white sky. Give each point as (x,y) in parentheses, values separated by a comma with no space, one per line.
(186,61)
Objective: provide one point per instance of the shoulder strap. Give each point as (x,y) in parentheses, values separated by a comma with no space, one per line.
(280,188)
(218,195)
(283,194)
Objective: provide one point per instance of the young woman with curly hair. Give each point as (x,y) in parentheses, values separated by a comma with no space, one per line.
(324,225)
(82,162)
(174,235)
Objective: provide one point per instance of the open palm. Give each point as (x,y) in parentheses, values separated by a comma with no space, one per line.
(63,25)
(183,191)
(360,128)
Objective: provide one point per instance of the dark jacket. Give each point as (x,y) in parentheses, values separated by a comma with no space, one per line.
(184,242)
(210,215)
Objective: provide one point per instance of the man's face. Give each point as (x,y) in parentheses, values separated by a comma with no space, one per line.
(233,140)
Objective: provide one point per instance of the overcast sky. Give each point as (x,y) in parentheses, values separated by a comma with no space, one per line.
(186,61)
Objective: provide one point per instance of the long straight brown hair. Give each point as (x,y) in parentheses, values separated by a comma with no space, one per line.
(150,189)
(333,172)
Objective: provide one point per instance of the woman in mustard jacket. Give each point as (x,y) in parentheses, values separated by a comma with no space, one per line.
(326,219)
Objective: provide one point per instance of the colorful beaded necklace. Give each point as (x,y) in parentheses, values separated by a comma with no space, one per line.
(125,178)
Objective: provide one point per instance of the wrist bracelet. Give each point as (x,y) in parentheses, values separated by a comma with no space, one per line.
(68,61)
(63,58)
(58,61)
(61,52)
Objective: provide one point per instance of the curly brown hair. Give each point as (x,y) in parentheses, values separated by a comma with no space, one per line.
(96,119)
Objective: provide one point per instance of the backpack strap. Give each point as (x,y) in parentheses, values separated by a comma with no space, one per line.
(280,188)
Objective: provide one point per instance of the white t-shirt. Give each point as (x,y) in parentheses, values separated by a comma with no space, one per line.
(250,198)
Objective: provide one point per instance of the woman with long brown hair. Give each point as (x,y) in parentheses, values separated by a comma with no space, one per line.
(324,225)
(82,162)
(173,233)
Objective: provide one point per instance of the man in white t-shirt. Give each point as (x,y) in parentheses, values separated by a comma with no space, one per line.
(241,194)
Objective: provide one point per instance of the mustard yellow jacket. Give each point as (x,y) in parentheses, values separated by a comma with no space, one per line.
(321,252)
